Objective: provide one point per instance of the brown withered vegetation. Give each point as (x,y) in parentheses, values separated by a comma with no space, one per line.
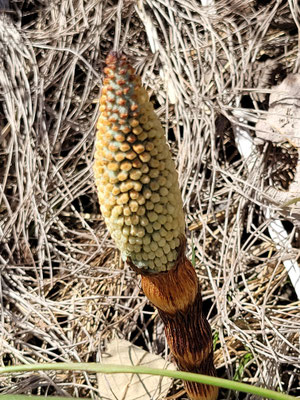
(64,289)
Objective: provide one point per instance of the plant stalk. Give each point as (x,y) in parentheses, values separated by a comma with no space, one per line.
(177,296)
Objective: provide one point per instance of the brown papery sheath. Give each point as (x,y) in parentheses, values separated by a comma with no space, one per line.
(177,296)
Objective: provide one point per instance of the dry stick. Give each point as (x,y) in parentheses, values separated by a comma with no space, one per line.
(140,200)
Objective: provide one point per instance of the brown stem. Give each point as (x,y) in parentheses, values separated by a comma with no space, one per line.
(177,296)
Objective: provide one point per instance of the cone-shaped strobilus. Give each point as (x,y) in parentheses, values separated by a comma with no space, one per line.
(141,203)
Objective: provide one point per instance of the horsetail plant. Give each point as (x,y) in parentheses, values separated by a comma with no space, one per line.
(140,201)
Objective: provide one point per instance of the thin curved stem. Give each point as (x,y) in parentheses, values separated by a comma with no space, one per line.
(117,369)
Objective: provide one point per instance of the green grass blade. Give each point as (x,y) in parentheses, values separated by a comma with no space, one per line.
(117,369)
(27,397)
(193,252)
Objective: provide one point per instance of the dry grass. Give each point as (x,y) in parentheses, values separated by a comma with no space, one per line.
(64,290)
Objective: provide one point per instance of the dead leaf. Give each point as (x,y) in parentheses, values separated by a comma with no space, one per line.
(130,386)
(281,125)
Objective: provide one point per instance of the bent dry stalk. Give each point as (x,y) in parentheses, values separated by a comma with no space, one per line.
(141,203)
